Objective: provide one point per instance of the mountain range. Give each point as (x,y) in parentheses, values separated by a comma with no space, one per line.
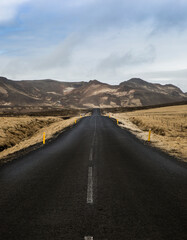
(134,92)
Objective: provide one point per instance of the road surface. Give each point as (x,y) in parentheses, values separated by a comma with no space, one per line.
(95,181)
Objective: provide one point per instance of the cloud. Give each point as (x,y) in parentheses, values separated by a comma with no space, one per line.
(176,77)
(9,8)
(128,59)
(83,39)
(60,56)
(174,74)
(96,14)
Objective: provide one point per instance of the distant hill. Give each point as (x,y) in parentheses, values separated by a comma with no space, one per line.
(134,92)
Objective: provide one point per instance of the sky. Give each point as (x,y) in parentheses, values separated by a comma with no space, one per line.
(108,40)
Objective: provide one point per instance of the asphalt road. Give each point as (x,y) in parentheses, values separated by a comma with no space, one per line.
(95,181)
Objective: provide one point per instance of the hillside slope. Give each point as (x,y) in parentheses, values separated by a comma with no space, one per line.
(134,92)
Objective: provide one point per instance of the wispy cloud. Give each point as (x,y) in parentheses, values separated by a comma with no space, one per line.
(177,77)
(127,59)
(9,9)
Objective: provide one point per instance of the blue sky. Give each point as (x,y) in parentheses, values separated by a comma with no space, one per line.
(108,40)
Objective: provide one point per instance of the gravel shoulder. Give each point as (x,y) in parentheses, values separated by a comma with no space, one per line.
(168,128)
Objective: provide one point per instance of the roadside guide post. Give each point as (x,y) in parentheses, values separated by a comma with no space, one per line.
(44,138)
(149,135)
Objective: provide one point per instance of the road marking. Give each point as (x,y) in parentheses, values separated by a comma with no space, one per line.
(95,128)
(88,238)
(92,145)
(91,155)
(90,186)
(92,141)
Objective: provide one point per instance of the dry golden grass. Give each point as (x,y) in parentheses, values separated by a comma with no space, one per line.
(16,129)
(17,133)
(168,126)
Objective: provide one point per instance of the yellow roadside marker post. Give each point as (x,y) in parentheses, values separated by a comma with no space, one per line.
(109,115)
(149,136)
(75,121)
(117,121)
(44,138)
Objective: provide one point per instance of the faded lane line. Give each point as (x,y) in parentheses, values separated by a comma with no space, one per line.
(93,139)
(92,145)
(91,155)
(90,186)
(92,142)
(95,128)
(90,178)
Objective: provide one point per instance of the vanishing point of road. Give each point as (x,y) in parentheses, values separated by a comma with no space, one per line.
(95,181)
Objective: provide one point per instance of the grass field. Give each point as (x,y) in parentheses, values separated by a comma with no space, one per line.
(17,133)
(168,126)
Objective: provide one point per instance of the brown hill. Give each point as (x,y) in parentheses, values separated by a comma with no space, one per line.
(134,92)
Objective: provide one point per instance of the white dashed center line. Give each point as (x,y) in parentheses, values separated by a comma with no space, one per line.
(90,186)
(90,178)
(91,155)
